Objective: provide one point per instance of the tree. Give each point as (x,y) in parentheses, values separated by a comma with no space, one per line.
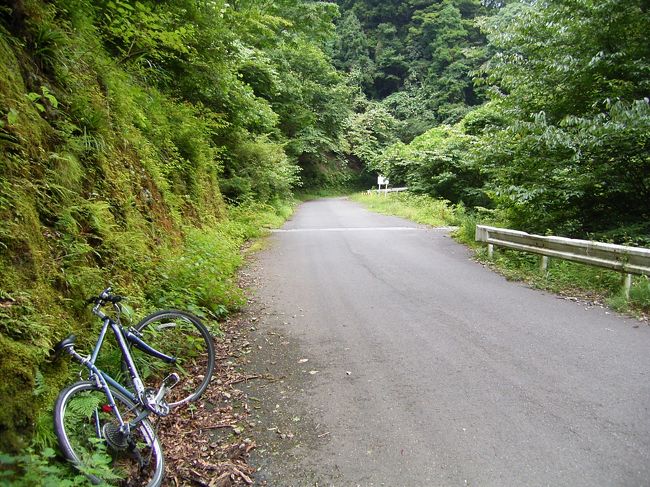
(436,163)
(574,78)
(352,50)
(421,56)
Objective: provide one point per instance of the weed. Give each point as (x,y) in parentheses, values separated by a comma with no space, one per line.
(47,40)
(31,468)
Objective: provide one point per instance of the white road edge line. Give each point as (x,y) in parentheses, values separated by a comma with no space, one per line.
(357,229)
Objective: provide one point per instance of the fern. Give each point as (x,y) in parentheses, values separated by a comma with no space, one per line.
(40,385)
(37,469)
(85,405)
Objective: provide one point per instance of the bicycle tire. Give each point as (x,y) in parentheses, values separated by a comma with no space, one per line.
(80,410)
(182,335)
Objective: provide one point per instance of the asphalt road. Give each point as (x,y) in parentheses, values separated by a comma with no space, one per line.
(402,362)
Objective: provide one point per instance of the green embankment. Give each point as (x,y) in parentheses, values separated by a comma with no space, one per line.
(103,179)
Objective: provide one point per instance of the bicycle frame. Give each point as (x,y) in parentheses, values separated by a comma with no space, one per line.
(104,379)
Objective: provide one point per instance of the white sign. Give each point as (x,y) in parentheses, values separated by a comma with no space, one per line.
(381,180)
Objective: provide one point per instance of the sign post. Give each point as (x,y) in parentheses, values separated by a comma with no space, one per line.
(381,180)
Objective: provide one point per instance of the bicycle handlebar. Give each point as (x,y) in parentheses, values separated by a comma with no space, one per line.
(105,297)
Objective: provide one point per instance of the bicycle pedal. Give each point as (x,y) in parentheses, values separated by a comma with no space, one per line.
(171,380)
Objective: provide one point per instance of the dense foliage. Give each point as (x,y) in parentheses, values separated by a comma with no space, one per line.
(417,57)
(560,144)
(141,142)
(572,79)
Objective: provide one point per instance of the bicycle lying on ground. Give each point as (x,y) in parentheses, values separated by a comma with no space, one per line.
(102,425)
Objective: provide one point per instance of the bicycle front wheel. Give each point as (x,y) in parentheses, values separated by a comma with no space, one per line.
(89,437)
(183,336)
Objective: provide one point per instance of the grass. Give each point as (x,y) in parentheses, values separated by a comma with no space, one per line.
(577,281)
(418,208)
(570,279)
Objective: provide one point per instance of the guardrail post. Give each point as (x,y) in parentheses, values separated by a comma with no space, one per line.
(627,285)
(625,259)
(544,264)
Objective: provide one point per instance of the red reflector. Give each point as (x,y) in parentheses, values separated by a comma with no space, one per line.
(107,408)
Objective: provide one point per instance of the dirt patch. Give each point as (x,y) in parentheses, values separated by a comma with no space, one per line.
(252,423)
(205,443)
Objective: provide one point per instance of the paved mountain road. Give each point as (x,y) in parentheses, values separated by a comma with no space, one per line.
(426,369)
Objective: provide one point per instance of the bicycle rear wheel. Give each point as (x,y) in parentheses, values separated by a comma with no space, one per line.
(89,437)
(181,335)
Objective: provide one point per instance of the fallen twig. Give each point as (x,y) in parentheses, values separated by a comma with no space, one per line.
(243,379)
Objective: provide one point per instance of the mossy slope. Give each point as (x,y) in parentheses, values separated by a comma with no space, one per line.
(103,178)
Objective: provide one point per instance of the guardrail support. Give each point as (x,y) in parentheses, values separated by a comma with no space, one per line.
(544,264)
(627,260)
(627,285)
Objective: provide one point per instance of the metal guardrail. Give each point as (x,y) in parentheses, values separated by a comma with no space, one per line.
(386,190)
(628,260)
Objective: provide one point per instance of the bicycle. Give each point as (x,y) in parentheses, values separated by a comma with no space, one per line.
(103,426)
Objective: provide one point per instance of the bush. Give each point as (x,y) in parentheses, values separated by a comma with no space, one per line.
(438,163)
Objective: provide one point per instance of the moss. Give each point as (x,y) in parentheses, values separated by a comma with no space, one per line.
(17,414)
(29,129)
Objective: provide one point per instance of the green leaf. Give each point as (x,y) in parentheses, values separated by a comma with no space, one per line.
(12,117)
(50,97)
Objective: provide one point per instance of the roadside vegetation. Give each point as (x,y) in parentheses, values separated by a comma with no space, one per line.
(416,207)
(537,110)
(131,155)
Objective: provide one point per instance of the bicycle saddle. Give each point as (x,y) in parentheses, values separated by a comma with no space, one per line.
(64,344)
